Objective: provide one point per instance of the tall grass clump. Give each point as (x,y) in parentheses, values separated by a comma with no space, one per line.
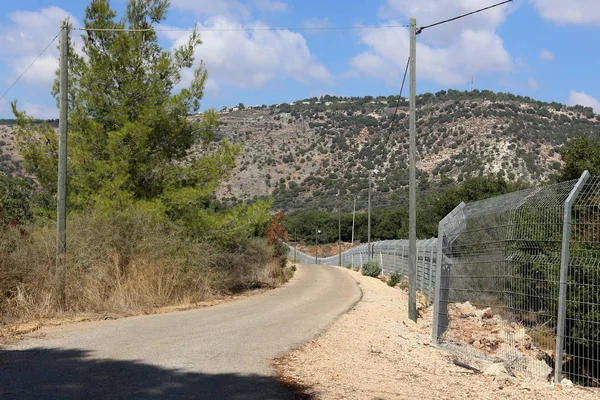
(123,263)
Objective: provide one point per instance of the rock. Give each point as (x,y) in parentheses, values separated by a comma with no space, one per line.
(466,309)
(497,370)
(566,383)
(487,313)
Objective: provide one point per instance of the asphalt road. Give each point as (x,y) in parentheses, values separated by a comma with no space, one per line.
(220,352)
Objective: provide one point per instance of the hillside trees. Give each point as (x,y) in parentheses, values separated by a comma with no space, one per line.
(579,155)
(130,141)
(16,196)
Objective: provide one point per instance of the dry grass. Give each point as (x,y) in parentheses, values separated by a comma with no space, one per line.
(123,264)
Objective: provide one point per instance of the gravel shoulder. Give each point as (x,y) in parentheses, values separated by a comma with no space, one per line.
(375,352)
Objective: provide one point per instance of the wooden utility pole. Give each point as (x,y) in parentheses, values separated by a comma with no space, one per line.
(353,215)
(369,218)
(340,236)
(61,199)
(412,197)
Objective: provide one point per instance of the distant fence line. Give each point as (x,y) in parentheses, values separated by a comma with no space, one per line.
(519,279)
(392,255)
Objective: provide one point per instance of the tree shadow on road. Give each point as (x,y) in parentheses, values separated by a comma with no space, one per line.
(73,374)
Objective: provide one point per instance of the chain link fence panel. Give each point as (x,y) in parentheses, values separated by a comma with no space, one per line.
(520,282)
(392,256)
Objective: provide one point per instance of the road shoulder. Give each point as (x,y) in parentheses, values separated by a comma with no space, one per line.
(375,351)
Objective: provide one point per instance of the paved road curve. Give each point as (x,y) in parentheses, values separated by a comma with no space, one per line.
(220,352)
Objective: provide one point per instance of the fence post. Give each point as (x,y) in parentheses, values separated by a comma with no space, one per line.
(402,259)
(422,254)
(564,276)
(430,288)
(381,260)
(440,298)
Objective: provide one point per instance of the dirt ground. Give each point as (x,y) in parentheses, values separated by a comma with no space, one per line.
(375,352)
(324,250)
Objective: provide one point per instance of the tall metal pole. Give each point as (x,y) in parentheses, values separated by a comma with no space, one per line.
(412,201)
(564,275)
(353,214)
(340,236)
(369,218)
(61,203)
(295,242)
(316,246)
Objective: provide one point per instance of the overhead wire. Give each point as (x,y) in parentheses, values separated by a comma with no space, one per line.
(324,28)
(30,65)
(398,102)
(461,16)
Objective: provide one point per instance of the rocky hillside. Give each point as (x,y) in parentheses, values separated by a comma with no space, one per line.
(311,153)
(10,160)
(308,153)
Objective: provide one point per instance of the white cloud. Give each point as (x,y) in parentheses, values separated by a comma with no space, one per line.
(576,12)
(271,5)
(546,55)
(21,41)
(42,72)
(252,58)
(583,99)
(39,111)
(472,53)
(30,31)
(449,54)
(431,11)
(533,84)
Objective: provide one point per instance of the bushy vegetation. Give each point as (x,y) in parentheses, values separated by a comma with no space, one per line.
(125,263)
(395,278)
(392,223)
(144,226)
(371,268)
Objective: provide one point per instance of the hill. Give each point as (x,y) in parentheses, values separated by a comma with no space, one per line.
(305,153)
(310,153)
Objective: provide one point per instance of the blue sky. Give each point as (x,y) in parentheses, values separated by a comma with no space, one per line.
(545,49)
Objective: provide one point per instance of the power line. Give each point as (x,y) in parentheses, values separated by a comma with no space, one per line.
(238,29)
(398,102)
(462,16)
(30,65)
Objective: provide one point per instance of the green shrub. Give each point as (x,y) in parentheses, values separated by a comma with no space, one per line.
(371,268)
(395,279)
(124,263)
(349,266)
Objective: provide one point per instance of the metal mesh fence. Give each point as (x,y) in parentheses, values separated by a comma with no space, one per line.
(392,255)
(515,279)
(520,281)
(581,361)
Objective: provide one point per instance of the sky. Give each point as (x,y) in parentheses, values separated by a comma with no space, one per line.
(544,49)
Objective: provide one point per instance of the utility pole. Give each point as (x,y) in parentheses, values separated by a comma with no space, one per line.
(353,214)
(317,246)
(369,218)
(412,201)
(295,242)
(340,236)
(61,203)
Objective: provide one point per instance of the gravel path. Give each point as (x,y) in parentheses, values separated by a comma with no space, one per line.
(220,352)
(375,352)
